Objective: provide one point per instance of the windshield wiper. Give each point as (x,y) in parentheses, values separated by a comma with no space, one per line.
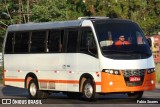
(115,51)
(128,52)
(136,51)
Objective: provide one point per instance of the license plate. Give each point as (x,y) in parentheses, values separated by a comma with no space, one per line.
(134,79)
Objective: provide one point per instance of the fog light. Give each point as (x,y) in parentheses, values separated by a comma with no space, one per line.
(152,82)
(111,83)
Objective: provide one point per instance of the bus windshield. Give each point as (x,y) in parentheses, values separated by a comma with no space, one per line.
(122,40)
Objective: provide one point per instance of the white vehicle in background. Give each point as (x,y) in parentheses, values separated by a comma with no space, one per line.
(78,58)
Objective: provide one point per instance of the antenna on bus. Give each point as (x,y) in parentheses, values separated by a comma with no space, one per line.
(94,17)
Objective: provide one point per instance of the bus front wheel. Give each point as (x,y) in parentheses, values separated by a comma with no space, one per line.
(135,95)
(89,90)
(34,92)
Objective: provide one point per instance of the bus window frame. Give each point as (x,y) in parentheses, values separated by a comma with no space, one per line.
(66,38)
(80,37)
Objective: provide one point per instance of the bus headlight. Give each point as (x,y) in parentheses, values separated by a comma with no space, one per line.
(151,70)
(109,71)
(116,72)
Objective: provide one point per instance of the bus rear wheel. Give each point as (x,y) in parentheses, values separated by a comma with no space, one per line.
(135,95)
(34,92)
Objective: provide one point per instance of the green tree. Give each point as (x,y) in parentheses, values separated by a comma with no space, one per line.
(75,9)
(48,10)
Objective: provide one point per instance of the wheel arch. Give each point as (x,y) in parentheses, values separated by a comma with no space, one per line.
(28,77)
(83,78)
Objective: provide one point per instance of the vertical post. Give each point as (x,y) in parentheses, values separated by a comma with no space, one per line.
(20,11)
(28,13)
(23,13)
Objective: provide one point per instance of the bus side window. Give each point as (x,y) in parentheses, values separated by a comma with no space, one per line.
(72,41)
(55,41)
(88,44)
(38,41)
(9,43)
(21,42)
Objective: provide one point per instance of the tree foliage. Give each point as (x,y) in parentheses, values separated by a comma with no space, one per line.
(48,10)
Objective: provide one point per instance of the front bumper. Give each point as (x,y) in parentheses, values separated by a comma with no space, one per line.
(116,83)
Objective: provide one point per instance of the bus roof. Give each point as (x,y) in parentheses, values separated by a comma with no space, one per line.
(44,25)
(60,24)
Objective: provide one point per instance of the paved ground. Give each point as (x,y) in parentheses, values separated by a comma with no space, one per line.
(59,99)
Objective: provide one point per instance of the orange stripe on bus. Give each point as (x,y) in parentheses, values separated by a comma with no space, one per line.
(41,80)
(98,83)
(13,79)
(61,81)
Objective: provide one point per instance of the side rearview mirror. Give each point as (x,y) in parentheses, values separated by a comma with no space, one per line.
(149,41)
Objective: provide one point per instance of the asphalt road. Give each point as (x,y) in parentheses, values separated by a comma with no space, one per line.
(58,99)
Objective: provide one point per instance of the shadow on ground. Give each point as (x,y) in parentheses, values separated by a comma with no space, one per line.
(59,98)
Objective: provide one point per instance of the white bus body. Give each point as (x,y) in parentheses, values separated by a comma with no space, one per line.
(69,68)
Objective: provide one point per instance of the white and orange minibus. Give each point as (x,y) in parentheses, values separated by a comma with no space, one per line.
(78,58)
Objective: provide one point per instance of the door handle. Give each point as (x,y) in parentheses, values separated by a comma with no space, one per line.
(68,65)
(63,66)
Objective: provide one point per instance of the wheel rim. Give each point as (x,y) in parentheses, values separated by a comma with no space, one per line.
(88,90)
(33,89)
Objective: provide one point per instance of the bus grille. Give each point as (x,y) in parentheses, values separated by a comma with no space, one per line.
(128,73)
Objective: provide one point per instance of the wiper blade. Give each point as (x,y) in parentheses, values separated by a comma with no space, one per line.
(115,51)
(136,51)
(128,52)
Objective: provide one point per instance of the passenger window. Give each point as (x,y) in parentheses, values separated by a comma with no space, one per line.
(9,43)
(55,41)
(72,41)
(88,44)
(38,41)
(21,42)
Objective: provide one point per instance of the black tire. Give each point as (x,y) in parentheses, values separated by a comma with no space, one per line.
(74,94)
(135,95)
(88,90)
(34,92)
